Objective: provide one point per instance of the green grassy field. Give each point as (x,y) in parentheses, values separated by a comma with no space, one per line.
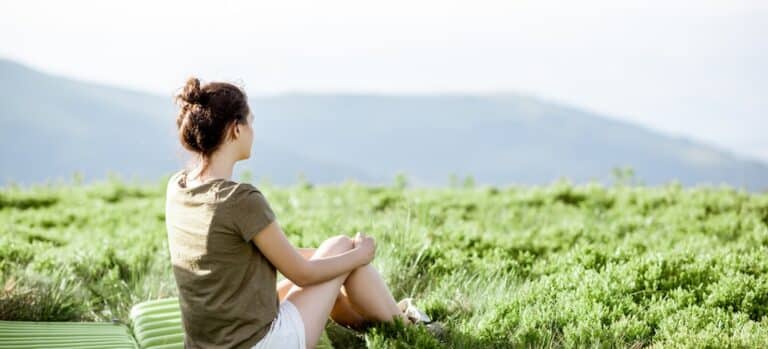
(551,266)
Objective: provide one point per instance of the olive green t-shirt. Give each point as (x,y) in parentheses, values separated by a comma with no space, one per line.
(227,288)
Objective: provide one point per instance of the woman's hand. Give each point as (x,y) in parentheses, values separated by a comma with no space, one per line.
(366,245)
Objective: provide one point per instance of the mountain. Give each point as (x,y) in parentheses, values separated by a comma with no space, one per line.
(52,126)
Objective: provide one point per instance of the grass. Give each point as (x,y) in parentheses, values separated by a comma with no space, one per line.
(551,266)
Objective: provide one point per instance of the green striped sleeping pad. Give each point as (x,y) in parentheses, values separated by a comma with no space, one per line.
(157,324)
(31,334)
(154,324)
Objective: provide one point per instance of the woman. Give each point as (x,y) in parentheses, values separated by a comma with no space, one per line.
(226,246)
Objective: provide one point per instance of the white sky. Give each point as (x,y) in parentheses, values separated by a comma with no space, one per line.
(694,68)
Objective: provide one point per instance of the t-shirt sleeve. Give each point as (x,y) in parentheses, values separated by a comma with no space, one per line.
(252,213)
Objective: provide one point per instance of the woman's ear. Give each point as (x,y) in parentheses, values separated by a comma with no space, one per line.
(234,132)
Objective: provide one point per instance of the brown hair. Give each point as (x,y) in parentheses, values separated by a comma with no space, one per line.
(208,112)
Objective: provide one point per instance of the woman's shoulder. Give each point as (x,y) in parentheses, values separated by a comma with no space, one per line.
(173,183)
(175,176)
(235,192)
(245,202)
(238,187)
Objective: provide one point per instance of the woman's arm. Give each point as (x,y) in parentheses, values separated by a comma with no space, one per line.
(303,272)
(306,252)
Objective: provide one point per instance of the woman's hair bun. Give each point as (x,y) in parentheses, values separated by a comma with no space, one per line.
(206,112)
(192,93)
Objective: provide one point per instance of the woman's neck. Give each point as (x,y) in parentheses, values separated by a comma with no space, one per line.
(214,170)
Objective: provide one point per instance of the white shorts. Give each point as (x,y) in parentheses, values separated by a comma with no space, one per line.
(287,330)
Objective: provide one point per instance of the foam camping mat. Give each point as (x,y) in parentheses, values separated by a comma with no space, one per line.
(157,324)
(34,335)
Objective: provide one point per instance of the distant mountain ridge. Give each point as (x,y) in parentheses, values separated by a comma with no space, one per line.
(52,126)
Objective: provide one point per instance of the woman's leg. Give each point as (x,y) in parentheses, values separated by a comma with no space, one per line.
(315,302)
(363,296)
(350,299)
(343,312)
(370,296)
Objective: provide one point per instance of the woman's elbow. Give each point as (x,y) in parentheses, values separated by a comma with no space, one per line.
(302,281)
(303,276)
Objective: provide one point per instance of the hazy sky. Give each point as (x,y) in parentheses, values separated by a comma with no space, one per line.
(693,68)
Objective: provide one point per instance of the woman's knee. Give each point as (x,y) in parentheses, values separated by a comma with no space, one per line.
(337,244)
